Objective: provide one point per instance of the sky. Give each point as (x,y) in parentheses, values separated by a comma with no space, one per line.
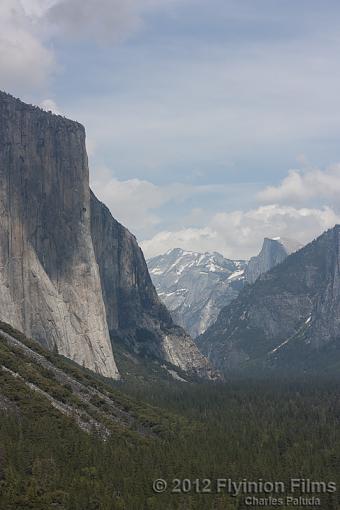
(210,125)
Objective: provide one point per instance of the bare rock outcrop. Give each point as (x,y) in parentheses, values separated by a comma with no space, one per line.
(71,275)
(135,313)
(289,319)
(49,280)
(273,252)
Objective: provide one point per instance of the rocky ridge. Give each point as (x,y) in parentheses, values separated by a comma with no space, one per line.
(289,318)
(68,271)
(135,313)
(273,252)
(196,286)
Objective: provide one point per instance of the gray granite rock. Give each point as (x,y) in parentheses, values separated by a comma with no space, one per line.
(135,313)
(289,318)
(68,271)
(273,252)
(49,280)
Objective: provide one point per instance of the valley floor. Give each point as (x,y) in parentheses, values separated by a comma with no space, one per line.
(274,431)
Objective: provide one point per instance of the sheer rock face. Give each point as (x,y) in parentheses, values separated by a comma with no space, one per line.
(49,280)
(273,252)
(290,317)
(134,312)
(57,284)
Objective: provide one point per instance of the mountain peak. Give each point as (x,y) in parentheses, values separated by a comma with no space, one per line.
(289,318)
(274,250)
(195,286)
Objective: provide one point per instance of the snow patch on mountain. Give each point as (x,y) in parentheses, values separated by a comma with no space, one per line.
(195,286)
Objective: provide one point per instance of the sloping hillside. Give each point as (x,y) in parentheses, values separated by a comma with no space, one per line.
(289,318)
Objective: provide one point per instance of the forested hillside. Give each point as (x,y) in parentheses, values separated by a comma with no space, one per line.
(240,429)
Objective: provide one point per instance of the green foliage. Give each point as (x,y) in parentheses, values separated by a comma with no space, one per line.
(274,430)
(239,430)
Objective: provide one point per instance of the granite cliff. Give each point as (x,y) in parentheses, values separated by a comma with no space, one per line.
(62,281)
(273,252)
(49,280)
(289,318)
(135,313)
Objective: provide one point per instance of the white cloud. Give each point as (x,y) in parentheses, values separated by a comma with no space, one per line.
(182,109)
(37,8)
(24,59)
(131,202)
(104,20)
(50,105)
(111,19)
(192,239)
(29,27)
(239,234)
(134,202)
(299,187)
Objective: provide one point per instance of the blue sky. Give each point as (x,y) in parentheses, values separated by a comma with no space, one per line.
(209,124)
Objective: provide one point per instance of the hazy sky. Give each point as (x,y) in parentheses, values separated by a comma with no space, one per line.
(210,124)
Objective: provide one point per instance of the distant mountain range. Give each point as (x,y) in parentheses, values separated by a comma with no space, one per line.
(196,286)
(288,319)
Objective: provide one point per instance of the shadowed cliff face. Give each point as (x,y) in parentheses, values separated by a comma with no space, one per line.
(49,286)
(289,318)
(134,312)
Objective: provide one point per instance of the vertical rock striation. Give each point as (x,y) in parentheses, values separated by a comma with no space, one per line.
(273,252)
(134,311)
(288,319)
(69,272)
(49,280)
